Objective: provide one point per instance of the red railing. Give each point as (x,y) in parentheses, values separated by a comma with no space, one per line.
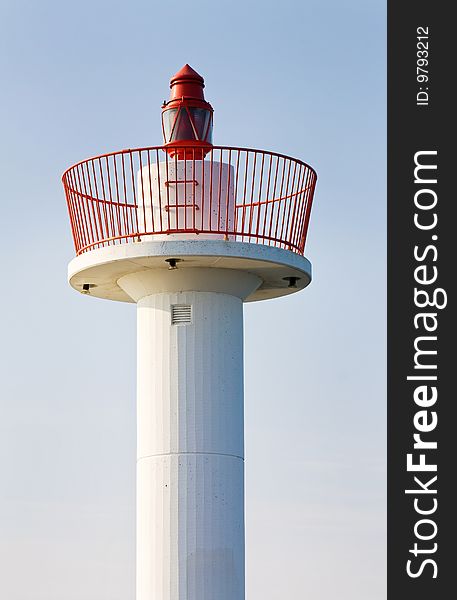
(255,196)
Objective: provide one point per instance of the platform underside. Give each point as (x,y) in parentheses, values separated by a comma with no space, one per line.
(101,269)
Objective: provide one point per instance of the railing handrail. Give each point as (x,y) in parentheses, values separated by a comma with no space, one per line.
(163,148)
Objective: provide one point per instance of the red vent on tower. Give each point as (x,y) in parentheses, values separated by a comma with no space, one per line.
(187,119)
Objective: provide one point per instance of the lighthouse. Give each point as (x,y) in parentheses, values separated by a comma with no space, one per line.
(189,231)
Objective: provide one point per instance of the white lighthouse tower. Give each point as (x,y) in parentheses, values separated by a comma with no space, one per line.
(190,231)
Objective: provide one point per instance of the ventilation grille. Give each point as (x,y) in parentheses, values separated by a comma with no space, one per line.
(181,314)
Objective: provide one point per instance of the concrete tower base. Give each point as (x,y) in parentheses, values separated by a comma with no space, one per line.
(190,472)
(190,513)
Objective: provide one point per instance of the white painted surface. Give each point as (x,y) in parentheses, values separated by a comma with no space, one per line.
(224,281)
(185,194)
(105,267)
(190,511)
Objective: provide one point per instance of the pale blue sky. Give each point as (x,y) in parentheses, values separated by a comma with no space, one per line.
(306,78)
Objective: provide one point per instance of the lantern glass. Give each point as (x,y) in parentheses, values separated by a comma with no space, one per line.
(168,119)
(201,118)
(183,129)
(187,123)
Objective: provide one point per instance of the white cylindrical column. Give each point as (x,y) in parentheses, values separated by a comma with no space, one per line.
(190,494)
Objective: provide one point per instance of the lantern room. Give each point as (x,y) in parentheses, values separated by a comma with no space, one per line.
(187,119)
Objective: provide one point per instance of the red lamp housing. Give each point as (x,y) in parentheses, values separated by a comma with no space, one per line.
(187,119)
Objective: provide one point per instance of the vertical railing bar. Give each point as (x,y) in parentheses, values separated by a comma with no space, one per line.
(274,201)
(140,160)
(177,191)
(91,212)
(291,200)
(110,200)
(107,221)
(151,196)
(260,197)
(135,202)
(76,228)
(227,198)
(193,189)
(103,208)
(185,188)
(202,208)
(267,195)
(297,196)
(118,199)
(104,203)
(244,196)
(251,211)
(87,200)
(167,158)
(70,210)
(80,211)
(113,210)
(127,209)
(283,170)
(303,209)
(79,202)
(211,163)
(235,193)
(99,222)
(284,202)
(84,187)
(309,205)
(159,187)
(219,193)
(91,195)
(303,205)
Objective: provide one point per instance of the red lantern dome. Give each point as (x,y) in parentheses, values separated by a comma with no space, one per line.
(187,119)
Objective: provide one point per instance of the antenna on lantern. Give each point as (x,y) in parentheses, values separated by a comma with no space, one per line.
(187,118)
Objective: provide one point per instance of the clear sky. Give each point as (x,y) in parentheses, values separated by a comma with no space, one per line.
(306,78)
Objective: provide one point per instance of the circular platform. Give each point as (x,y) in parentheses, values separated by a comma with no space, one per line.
(97,272)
